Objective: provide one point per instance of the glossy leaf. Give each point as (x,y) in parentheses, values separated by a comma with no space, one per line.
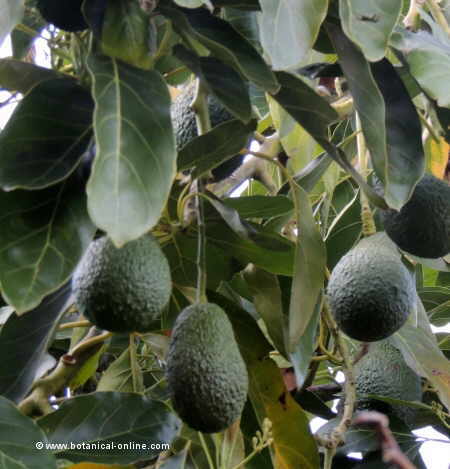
(268,303)
(46,136)
(18,438)
(293,445)
(405,162)
(370,25)
(309,269)
(135,163)
(221,143)
(16,75)
(126,33)
(24,341)
(110,417)
(259,206)
(222,81)
(289,29)
(224,42)
(11,12)
(428,57)
(43,237)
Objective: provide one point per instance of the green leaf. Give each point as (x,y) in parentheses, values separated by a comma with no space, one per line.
(21,42)
(294,445)
(244,4)
(223,41)
(135,162)
(216,146)
(126,33)
(222,81)
(189,3)
(19,436)
(245,22)
(266,250)
(370,25)
(289,29)
(87,370)
(16,75)
(24,341)
(11,12)
(129,417)
(436,301)
(46,135)
(45,234)
(428,57)
(118,375)
(268,303)
(300,356)
(421,352)
(260,206)
(309,269)
(181,253)
(344,224)
(314,114)
(310,175)
(405,162)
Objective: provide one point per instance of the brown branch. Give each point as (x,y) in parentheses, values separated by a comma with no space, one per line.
(392,454)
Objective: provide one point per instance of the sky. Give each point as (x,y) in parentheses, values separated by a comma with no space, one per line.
(435,454)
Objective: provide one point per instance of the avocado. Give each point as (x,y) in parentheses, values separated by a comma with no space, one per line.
(384,372)
(185,127)
(370,292)
(206,374)
(66,15)
(422,226)
(123,290)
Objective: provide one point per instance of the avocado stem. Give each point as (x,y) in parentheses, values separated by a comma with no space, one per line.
(201,109)
(368,223)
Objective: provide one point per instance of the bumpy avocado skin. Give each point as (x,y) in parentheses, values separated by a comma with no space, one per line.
(185,127)
(370,292)
(64,14)
(206,374)
(383,371)
(422,227)
(126,289)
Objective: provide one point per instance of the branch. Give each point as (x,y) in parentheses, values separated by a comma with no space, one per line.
(392,454)
(337,435)
(69,364)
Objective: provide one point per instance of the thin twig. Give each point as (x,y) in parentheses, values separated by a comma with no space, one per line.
(392,454)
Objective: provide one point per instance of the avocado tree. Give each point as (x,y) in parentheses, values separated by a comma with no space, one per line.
(221,220)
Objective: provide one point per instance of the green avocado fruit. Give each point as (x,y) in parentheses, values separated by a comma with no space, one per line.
(370,292)
(185,127)
(384,372)
(123,289)
(422,226)
(206,374)
(64,14)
